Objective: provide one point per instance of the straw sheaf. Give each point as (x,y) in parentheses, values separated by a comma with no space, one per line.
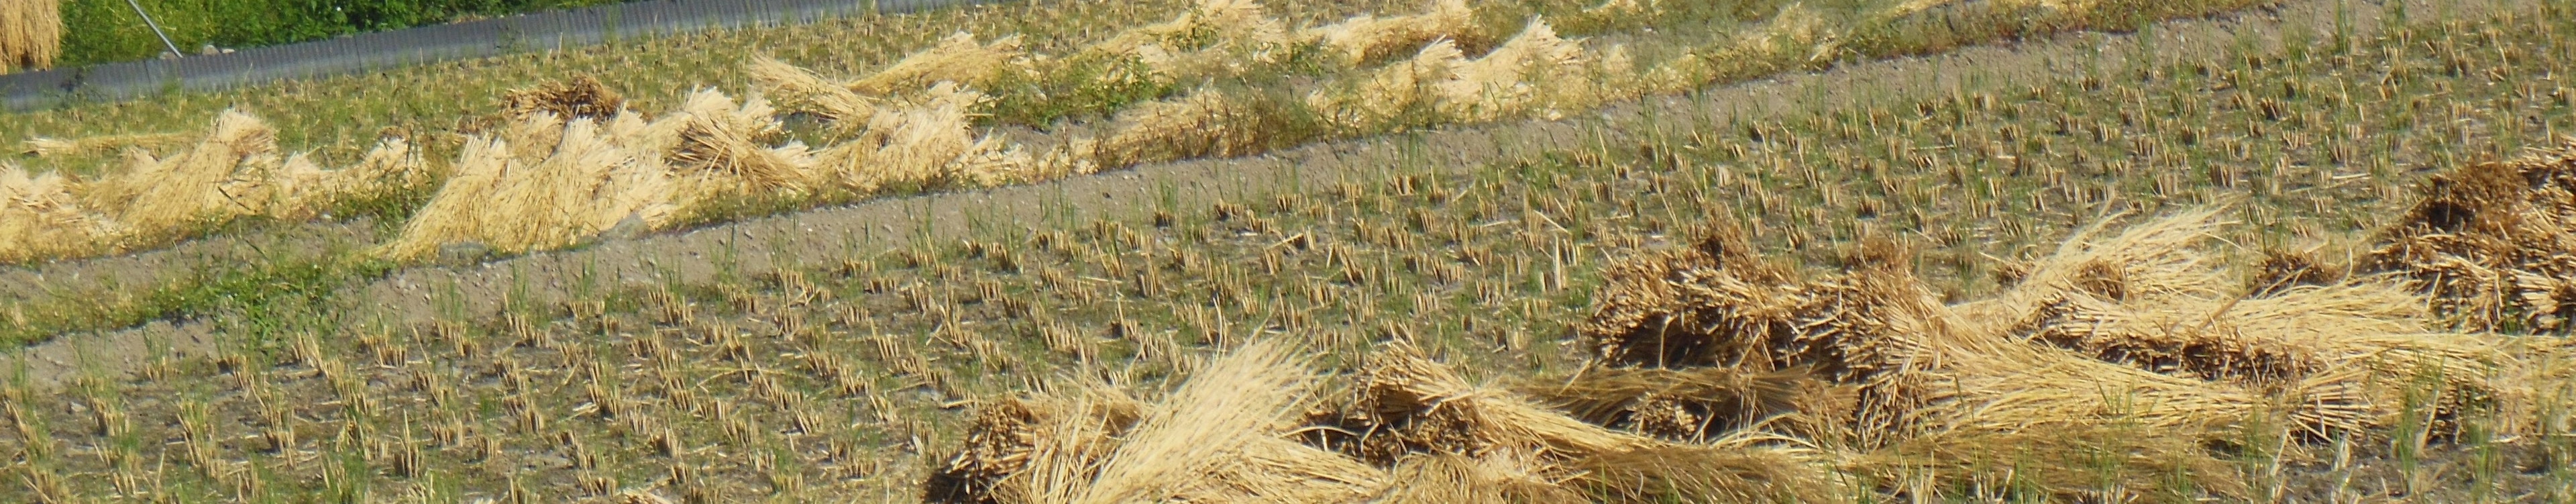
(1205,123)
(1506,80)
(552,185)
(1691,405)
(1405,403)
(811,93)
(39,218)
(31,33)
(1006,436)
(46,147)
(957,58)
(1794,38)
(1390,91)
(220,175)
(1216,438)
(1450,478)
(722,148)
(234,171)
(1214,37)
(928,141)
(304,190)
(2154,259)
(1368,38)
(2488,241)
(582,97)
(1416,415)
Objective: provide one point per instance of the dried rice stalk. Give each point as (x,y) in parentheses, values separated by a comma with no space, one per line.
(2063,462)
(1007,436)
(1490,443)
(302,190)
(56,147)
(547,183)
(31,34)
(1446,478)
(1365,38)
(1206,123)
(1704,473)
(1392,91)
(583,97)
(219,177)
(1505,81)
(581,184)
(39,218)
(1250,394)
(930,141)
(957,58)
(1215,439)
(1411,403)
(1214,37)
(2489,240)
(1685,405)
(721,148)
(812,93)
(1794,38)
(2154,260)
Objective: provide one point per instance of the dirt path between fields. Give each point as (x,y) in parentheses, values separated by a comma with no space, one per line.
(828,236)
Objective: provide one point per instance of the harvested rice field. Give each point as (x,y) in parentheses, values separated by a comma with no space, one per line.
(1225,251)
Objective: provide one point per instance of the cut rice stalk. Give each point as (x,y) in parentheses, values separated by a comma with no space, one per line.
(1505,80)
(1368,38)
(812,93)
(957,58)
(926,142)
(40,219)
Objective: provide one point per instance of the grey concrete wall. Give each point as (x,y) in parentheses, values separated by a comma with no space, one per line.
(476,39)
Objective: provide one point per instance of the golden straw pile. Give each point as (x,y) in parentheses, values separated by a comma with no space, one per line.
(235,170)
(2490,242)
(1716,376)
(31,34)
(569,162)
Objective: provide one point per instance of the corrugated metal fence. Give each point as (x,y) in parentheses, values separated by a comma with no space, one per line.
(475,39)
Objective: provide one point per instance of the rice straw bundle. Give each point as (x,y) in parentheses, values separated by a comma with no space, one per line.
(46,147)
(303,190)
(31,34)
(2156,259)
(1408,406)
(1694,404)
(1214,37)
(582,97)
(547,183)
(812,93)
(1505,80)
(1366,38)
(1794,38)
(236,170)
(39,218)
(957,58)
(1206,123)
(1392,91)
(2488,242)
(218,177)
(1217,438)
(1413,403)
(1444,478)
(924,142)
(721,148)
(1007,436)
(551,185)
